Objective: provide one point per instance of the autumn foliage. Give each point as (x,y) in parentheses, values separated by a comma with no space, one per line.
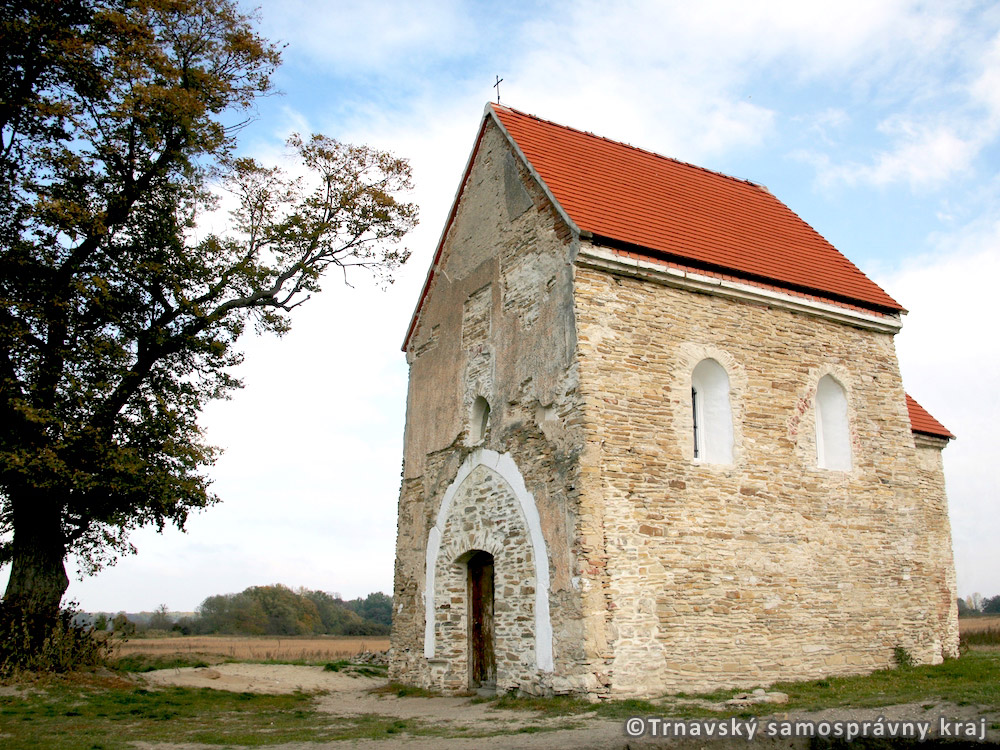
(120,313)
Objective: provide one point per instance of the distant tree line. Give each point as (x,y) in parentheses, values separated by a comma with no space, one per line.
(977,604)
(278,610)
(266,610)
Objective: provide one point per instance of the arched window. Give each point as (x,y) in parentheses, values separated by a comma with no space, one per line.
(480,419)
(711,413)
(833,440)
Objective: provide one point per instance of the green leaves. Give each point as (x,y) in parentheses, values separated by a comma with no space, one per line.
(118,321)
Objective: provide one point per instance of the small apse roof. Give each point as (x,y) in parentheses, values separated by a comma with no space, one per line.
(921,421)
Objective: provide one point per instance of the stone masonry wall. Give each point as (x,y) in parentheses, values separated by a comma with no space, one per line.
(665,572)
(696,575)
(485,515)
(497,323)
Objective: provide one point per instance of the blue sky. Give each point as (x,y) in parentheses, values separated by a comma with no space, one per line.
(879,123)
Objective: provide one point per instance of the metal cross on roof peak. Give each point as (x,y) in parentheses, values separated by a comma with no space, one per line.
(497,87)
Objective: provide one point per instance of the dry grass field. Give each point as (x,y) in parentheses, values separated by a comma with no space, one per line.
(251,648)
(328,648)
(978,624)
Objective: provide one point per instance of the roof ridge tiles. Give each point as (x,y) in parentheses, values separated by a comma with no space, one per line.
(675,160)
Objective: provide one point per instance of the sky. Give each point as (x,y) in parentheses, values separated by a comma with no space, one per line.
(877,122)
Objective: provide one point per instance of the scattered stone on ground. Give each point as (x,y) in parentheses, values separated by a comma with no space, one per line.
(757,696)
(375,658)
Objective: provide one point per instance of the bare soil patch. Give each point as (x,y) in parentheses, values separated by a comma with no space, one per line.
(261,678)
(468,725)
(292,648)
(346,695)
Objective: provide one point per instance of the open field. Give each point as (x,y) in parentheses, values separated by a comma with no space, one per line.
(292,707)
(251,648)
(978,624)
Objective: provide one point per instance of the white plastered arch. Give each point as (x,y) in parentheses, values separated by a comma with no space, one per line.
(505,467)
(713,416)
(690,355)
(833,425)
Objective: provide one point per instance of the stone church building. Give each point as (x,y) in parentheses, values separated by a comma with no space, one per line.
(656,438)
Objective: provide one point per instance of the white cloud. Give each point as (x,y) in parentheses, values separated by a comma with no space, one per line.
(923,156)
(685,78)
(825,123)
(986,88)
(358,36)
(949,354)
(309,478)
(725,39)
(940,132)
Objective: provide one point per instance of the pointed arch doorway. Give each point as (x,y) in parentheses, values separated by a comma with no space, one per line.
(482,654)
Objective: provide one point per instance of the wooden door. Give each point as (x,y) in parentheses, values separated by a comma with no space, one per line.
(482,659)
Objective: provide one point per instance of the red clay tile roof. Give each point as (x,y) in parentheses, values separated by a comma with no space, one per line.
(921,421)
(641,201)
(685,215)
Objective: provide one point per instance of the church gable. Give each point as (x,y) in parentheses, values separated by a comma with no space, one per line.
(499,197)
(499,290)
(492,428)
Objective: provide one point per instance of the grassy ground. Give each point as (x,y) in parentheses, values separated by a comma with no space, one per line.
(139,663)
(109,713)
(982,637)
(974,679)
(98,712)
(101,714)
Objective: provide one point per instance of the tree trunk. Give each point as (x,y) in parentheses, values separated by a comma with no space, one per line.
(35,634)
(38,577)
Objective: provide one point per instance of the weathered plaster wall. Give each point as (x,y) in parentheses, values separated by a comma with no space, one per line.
(697,575)
(497,323)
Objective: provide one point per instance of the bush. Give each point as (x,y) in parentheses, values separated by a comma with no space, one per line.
(904,660)
(122,626)
(37,643)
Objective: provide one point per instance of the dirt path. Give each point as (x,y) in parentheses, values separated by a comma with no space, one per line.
(261,678)
(347,694)
(351,695)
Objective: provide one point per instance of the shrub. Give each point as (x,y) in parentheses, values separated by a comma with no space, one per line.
(904,660)
(38,643)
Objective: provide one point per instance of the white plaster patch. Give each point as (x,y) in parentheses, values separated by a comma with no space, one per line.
(506,468)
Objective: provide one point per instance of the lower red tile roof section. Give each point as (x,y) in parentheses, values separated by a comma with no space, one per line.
(921,421)
(684,213)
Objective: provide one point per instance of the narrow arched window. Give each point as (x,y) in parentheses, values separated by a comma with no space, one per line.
(711,413)
(480,419)
(833,439)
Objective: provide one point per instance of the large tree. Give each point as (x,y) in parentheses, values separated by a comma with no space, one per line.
(120,311)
